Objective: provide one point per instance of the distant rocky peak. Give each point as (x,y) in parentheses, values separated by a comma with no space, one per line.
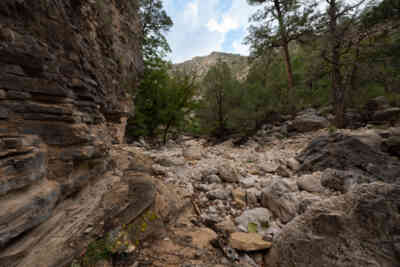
(201,64)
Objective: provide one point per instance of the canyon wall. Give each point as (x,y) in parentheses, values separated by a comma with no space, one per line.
(66,67)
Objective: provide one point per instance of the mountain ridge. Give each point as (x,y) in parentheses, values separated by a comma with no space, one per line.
(200,65)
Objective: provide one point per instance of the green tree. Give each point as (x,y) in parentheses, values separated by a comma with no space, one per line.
(162,102)
(150,100)
(338,25)
(155,23)
(161,99)
(382,44)
(250,105)
(181,91)
(387,10)
(277,24)
(217,85)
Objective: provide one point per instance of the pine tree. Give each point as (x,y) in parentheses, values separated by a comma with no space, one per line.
(277,24)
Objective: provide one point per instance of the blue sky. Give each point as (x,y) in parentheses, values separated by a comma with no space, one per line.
(203,26)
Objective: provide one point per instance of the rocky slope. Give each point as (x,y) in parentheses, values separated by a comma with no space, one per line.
(64,71)
(200,65)
(296,194)
(313,199)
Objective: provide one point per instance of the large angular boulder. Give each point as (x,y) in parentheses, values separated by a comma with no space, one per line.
(310,183)
(376,103)
(386,115)
(392,145)
(228,173)
(219,193)
(359,228)
(354,119)
(343,181)
(254,220)
(308,122)
(349,152)
(281,198)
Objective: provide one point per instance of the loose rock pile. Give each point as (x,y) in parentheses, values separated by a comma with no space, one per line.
(315,199)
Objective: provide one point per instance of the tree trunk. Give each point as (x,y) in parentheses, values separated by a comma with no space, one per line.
(340,107)
(288,65)
(166,130)
(221,126)
(338,90)
(353,78)
(386,87)
(386,83)
(285,50)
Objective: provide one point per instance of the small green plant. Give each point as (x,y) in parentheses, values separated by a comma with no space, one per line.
(252,227)
(96,251)
(265,224)
(332,129)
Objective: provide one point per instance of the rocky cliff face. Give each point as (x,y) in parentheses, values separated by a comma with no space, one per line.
(200,65)
(65,68)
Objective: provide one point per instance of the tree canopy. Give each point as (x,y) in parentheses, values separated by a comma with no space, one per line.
(155,23)
(277,24)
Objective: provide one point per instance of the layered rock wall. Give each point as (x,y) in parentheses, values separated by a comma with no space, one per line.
(65,70)
(66,67)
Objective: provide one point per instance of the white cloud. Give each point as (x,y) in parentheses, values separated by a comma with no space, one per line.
(225,26)
(241,11)
(199,28)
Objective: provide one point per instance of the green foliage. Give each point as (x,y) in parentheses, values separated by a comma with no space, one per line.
(155,23)
(252,227)
(96,251)
(367,65)
(161,99)
(267,86)
(278,23)
(218,87)
(252,103)
(150,100)
(312,88)
(162,102)
(367,42)
(332,129)
(230,106)
(265,224)
(352,39)
(386,10)
(196,126)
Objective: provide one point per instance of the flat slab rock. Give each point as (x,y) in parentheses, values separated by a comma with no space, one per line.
(200,237)
(25,210)
(248,242)
(103,206)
